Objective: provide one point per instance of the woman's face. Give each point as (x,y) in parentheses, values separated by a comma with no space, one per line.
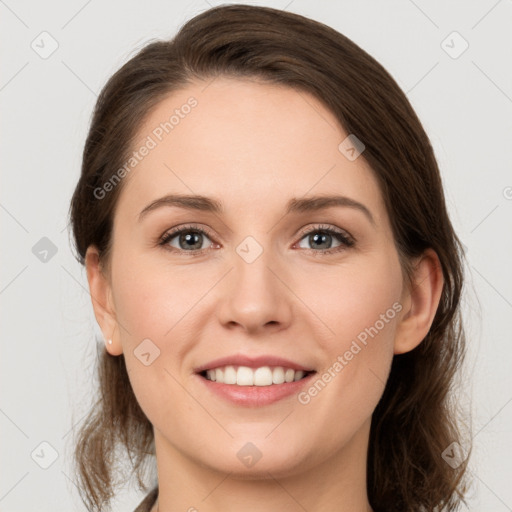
(264,280)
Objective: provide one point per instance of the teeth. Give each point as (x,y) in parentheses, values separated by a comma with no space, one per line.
(230,375)
(298,375)
(245,376)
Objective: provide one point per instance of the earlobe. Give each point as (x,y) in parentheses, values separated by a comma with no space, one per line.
(420,303)
(102,303)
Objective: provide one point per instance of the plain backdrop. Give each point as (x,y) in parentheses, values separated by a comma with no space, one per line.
(462,95)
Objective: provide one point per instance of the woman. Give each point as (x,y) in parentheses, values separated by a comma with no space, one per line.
(274,271)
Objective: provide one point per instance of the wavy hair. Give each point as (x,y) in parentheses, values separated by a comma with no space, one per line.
(416,418)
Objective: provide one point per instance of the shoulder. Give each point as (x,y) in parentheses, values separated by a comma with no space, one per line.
(148,502)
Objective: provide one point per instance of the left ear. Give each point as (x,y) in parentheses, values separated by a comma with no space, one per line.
(419,303)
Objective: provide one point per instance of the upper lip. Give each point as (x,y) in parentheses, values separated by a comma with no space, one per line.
(252,362)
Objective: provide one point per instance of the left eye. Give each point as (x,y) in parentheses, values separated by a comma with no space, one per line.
(324,238)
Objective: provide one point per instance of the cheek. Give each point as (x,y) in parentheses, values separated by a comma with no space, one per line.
(354,298)
(157,303)
(151,300)
(360,307)
(152,303)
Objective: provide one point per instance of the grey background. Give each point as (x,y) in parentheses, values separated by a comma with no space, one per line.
(48,327)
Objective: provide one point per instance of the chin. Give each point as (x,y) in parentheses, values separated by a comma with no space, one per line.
(256,460)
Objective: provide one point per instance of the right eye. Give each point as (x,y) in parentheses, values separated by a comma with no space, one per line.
(185,239)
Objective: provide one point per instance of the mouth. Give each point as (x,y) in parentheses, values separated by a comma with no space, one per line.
(247,376)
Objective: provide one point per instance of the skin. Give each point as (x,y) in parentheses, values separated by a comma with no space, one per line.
(253,146)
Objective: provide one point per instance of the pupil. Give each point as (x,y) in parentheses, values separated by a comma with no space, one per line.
(191,240)
(321,239)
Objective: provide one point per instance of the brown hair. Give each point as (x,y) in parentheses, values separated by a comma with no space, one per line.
(415,420)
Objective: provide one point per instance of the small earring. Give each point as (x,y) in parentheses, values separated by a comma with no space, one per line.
(110,342)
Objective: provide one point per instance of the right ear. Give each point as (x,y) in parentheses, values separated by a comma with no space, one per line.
(102,303)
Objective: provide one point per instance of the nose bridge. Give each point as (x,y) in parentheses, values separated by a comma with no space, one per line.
(256,297)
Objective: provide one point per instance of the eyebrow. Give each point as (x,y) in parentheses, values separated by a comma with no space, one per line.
(294,205)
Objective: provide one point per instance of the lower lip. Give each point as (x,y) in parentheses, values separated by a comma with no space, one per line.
(255,396)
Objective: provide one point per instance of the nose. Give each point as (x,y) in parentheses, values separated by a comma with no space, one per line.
(254,296)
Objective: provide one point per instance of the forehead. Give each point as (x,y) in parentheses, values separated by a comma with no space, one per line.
(246,141)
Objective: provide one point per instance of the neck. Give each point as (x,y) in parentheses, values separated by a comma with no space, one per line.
(337,483)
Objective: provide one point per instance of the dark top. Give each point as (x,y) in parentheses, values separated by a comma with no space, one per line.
(148,502)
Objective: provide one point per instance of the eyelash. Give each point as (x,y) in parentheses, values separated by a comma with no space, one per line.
(345,240)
